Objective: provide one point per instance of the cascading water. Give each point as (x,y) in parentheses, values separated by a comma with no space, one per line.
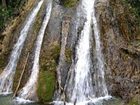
(6,77)
(79,88)
(100,83)
(82,87)
(29,90)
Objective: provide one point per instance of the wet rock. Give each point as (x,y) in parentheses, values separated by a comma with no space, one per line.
(122,58)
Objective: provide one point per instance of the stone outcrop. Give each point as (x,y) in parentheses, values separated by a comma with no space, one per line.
(121,45)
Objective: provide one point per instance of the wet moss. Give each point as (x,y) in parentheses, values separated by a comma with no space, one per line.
(47,77)
(46,86)
(69,3)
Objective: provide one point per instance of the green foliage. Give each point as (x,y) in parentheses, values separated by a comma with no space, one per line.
(5,14)
(134,5)
(9,11)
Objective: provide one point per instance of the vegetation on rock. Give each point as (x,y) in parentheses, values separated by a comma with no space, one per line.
(8,9)
(136,5)
(46,86)
(135,100)
(134,8)
(47,77)
(69,3)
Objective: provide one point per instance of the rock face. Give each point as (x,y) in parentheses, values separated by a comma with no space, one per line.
(121,48)
(120,43)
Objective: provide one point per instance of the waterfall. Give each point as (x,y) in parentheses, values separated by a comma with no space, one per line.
(6,77)
(100,80)
(79,89)
(29,90)
(82,87)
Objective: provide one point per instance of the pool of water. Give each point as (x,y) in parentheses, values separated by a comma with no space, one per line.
(8,100)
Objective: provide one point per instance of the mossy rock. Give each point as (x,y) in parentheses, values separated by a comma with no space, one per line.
(46,86)
(135,100)
(51,58)
(47,77)
(69,3)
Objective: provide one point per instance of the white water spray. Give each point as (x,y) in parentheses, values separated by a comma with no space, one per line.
(100,80)
(6,77)
(82,91)
(29,90)
(83,80)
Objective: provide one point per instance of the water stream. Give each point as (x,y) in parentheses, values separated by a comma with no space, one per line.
(82,87)
(29,90)
(100,69)
(6,77)
(79,88)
